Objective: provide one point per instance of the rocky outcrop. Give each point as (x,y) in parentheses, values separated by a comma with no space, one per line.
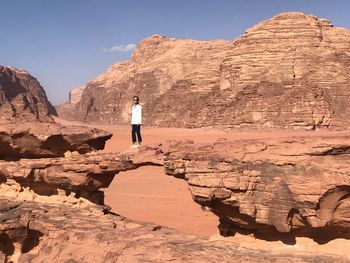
(28,166)
(53,208)
(39,140)
(76,175)
(68,109)
(290,71)
(75,94)
(36,232)
(295,185)
(22,97)
(158,65)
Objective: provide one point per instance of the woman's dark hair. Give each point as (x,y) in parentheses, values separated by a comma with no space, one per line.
(136,98)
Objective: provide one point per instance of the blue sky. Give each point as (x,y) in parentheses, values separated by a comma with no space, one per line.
(65,43)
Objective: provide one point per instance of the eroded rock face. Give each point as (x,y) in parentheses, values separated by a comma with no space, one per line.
(72,173)
(37,232)
(79,175)
(75,94)
(68,109)
(294,185)
(158,66)
(38,140)
(290,71)
(22,97)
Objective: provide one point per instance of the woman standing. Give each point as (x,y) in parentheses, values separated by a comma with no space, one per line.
(136,116)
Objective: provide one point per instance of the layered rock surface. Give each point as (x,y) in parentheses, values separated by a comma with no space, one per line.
(22,97)
(38,140)
(76,175)
(290,71)
(35,232)
(158,67)
(294,185)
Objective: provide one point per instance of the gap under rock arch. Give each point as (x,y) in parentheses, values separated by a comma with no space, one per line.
(148,194)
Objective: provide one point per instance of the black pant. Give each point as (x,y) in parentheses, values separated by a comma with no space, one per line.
(136,130)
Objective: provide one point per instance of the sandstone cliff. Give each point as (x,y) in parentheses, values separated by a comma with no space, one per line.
(158,65)
(22,97)
(68,109)
(75,94)
(37,232)
(289,71)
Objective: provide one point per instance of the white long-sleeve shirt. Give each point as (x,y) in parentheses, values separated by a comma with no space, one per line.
(136,114)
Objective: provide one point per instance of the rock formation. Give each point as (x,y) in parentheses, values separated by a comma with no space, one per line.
(81,175)
(38,140)
(290,71)
(67,109)
(294,185)
(77,175)
(75,94)
(54,207)
(51,203)
(22,97)
(38,232)
(158,66)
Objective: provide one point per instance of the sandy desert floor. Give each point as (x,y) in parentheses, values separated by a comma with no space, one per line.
(147,194)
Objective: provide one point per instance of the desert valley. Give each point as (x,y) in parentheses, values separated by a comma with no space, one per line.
(245,157)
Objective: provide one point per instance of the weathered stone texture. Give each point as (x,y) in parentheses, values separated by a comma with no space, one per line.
(75,94)
(290,71)
(39,140)
(68,109)
(22,97)
(157,67)
(36,232)
(294,185)
(81,175)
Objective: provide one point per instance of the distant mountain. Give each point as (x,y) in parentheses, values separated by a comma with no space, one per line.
(291,71)
(67,109)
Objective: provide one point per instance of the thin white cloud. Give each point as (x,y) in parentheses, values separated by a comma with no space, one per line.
(120,48)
